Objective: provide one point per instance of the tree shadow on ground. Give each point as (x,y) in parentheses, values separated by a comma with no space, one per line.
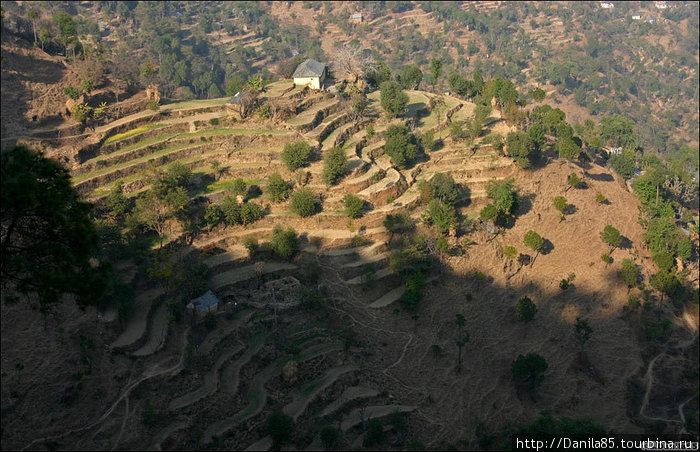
(600,177)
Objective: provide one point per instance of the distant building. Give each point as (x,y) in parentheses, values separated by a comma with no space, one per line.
(356,18)
(206,303)
(310,73)
(636,17)
(660,5)
(612,150)
(607,5)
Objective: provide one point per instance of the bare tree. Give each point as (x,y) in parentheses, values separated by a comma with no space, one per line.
(352,63)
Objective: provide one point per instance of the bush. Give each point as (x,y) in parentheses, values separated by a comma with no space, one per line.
(354,206)
(72,92)
(606,258)
(559,203)
(600,198)
(284,243)
(88,85)
(295,155)
(335,165)
(280,426)
(303,202)
(277,188)
(573,180)
(510,252)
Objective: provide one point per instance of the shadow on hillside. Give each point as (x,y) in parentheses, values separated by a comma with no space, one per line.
(600,177)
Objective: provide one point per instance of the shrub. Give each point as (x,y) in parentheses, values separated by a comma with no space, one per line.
(489,213)
(303,202)
(600,198)
(277,188)
(441,244)
(285,242)
(525,309)
(72,92)
(214,121)
(510,252)
(88,85)
(606,258)
(335,165)
(564,284)
(296,154)
(354,205)
(559,203)
(573,180)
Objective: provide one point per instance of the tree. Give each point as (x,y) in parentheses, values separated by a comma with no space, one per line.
(400,145)
(533,241)
(629,273)
(612,237)
(375,432)
(623,164)
(154,210)
(518,146)
(280,426)
(567,148)
(231,211)
(296,154)
(48,238)
(116,202)
(212,214)
(489,213)
(354,205)
(573,181)
(510,252)
(250,213)
(392,99)
(441,215)
(525,310)
(665,282)
(303,202)
(505,198)
(435,70)
(529,369)
(439,107)
(284,243)
(461,342)
(334,165)
(537,94)
(239,187)
(560,204)
(44,36)
(583,331)
(277,188)
(33,15)
(352,63)
(411,77)
(443,187)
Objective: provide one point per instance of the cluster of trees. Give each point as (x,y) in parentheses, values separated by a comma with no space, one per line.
(441,195)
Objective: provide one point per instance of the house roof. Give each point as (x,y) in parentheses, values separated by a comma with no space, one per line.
(236,98)
(309,68)
(204,302)
(357,16)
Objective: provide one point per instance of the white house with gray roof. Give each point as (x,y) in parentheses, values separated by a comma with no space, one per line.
(310,73)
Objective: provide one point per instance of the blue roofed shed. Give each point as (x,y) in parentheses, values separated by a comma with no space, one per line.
(205,303)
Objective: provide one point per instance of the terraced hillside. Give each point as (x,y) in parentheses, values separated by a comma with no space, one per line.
(358,353)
